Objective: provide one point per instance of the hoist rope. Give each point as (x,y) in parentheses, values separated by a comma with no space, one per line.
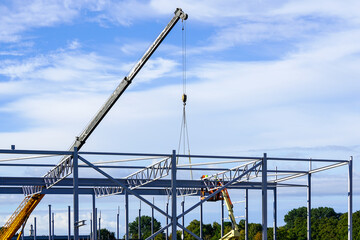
(184,135)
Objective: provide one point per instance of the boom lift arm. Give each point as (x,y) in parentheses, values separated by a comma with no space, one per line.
(23,212)
(234,234)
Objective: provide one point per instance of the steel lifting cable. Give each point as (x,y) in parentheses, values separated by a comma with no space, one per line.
(184,135)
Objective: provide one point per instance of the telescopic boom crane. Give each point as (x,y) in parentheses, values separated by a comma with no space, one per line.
(64,167)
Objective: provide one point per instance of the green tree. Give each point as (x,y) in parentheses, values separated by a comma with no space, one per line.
(145,227)
(106,234)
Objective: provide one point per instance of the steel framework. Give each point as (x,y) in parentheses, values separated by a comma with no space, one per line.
(161,178)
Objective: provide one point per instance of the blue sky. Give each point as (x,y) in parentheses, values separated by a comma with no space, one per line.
(280,77)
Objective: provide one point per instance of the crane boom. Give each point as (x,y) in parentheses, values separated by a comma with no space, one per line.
(56,174)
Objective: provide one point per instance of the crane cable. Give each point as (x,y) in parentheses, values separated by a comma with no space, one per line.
(184,135)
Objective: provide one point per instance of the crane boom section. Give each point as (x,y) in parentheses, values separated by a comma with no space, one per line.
(20,215)
(80,141)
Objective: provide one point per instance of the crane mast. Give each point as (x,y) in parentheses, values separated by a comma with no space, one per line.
(56,174)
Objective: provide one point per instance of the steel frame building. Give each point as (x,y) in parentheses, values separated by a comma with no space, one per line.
(160,178)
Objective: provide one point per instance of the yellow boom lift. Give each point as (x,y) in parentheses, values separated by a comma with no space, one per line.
(234,234)
(22,213)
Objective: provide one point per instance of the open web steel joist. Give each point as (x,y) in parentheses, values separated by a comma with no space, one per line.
(167,178)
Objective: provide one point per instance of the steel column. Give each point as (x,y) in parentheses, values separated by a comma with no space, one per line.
(183,219)
(126,215)
(52,226)
(94,235)
(264,197)
(275,214)
(201,221)
(95,225)
(222,217)
(69,223)
(167,221)
(309,203)
(117,223)
(49,222)
(35,228)
(173,196)
(100,225)
(76,193)
(350,199)
(246,214)
(152,218)
(139,223)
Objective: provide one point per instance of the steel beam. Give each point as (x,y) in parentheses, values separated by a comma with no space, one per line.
(173,195)
(350,199)
(49,222)
(264,197)
(275,214)
(126,215)
(309,203)
(246,214)
(201,221)
(76,194)
(69,223)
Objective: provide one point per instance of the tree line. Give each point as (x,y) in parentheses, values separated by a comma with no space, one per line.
(325,224)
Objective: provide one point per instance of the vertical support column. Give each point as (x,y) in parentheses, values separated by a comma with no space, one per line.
(152,218)
(126,215)
(52,226)
(167,220)
(201,221)
(139,222)
(94,235)
(76,193)
(100,225)
(69,223)
(95,225)
(222,217)
(350,199)
(275,214)
(264,197)
(117,223)
(35,228)
(309,203)
(49,222)
(173,196)
(183,219)
(246,214)
(91,228)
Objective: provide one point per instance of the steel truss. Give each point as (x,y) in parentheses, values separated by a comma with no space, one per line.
(160,178)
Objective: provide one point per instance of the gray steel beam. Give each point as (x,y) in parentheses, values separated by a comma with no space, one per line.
(126,215)
(246,214)
(264,197)
(309,203)
(222,217)
(69,223)
(76,194)
(167,221)
(173,195)
(152,218)
(94,236)
(118,223)
(201,221)
(35,228)
(139,223)
(183,219)
(49,222)
(275,214)
(350,199)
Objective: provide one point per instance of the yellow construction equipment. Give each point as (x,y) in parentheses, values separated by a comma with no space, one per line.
(20,216)
(234,234)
